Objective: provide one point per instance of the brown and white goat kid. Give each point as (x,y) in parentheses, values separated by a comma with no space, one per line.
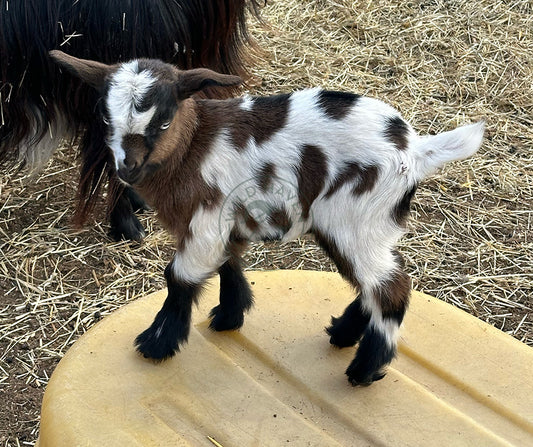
(353,163)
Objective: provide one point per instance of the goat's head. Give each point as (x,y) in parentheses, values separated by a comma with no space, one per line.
(144,106)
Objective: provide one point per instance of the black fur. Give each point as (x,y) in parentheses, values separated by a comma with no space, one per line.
(235,297)
(392,297)
(337,104)
(36,95)
(124,225)
(136,201)
(373,355)
(347,330)
(172,323)
(401,211)
(397,131)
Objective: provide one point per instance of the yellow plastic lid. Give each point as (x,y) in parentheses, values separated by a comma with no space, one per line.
(456,381)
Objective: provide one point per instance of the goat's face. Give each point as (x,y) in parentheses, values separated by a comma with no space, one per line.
(140,103)
(145,107)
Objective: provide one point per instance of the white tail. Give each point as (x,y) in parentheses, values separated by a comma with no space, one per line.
(433,151)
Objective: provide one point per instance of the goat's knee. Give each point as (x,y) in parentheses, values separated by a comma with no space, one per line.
(386,304)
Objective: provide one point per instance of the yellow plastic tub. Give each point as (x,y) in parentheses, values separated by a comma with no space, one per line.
(457,381)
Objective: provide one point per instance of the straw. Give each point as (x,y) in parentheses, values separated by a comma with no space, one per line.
(441,63)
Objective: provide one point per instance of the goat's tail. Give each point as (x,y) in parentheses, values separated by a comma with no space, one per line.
(433,151)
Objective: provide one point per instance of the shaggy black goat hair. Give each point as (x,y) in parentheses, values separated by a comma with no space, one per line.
(41,104)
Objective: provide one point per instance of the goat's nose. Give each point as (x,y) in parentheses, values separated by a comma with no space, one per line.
(132,166)
(128,171)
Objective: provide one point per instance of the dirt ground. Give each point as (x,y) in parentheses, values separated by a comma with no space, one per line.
(442,63)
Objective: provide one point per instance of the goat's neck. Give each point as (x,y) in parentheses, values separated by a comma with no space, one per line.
(177,188)
(171,151)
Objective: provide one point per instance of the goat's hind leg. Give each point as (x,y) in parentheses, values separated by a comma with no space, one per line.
(235,297)
(171,325)
(387,303)
(347,329)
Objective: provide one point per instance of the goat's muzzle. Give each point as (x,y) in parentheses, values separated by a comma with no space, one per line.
(130,174)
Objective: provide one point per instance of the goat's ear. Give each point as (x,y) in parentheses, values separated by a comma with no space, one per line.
(90,72)
(192,81)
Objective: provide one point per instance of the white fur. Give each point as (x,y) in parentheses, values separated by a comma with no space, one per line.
(205,251)
(432,152)
(128,88)
(362,226)
(247,103)
(35,152)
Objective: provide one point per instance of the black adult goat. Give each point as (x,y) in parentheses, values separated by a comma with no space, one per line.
(40,105)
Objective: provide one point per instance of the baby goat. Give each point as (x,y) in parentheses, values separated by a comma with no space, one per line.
(221,173)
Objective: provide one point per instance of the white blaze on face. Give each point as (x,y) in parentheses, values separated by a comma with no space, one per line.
(127,89)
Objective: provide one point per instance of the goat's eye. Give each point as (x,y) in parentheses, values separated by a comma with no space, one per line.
(105,120)
(165,126)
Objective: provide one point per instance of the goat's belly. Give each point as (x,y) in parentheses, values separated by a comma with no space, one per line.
(268,229)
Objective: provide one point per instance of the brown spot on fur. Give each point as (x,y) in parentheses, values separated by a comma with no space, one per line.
(365,176)
(178,136)
(176,189)
(265,176)
(349,173)
(400,213)
(311,174)
(265,117)
(393,296)
(269,115)
(345,267)
(249,221)
(336,105)
(212,199)
(235,247)
(396,131)
(279,218)
(369,176)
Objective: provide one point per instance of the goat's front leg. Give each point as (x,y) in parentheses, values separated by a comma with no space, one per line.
(196,260)
(235,297)
(172,323)
(123,222)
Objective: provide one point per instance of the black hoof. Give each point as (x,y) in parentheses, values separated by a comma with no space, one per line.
(359,377)
(128,228)
(225,320)
(147,345)
(340,336)
(162,339)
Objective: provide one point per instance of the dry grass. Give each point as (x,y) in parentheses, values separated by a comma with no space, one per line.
(442,63)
